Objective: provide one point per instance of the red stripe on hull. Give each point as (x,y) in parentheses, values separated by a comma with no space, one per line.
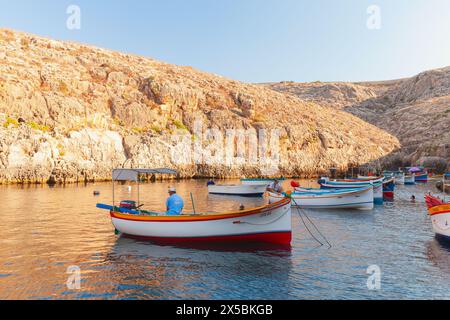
(276,238)
(388,195)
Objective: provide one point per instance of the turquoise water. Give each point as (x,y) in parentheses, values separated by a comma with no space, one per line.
(47,230)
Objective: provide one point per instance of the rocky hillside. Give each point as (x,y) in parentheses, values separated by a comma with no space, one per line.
(70,112)
(336,95)
(415,110)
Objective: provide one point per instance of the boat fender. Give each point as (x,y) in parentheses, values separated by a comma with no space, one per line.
(295,184)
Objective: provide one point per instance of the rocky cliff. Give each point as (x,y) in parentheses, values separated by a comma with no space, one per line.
(70,112)
(415,110)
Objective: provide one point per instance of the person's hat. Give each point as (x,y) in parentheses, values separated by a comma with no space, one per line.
(172,189)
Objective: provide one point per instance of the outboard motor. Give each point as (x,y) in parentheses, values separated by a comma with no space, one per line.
(323,180)
(128,204)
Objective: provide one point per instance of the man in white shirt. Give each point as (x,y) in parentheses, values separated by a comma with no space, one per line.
(275,187)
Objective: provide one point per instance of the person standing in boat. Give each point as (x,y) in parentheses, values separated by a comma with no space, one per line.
(275,187)
(174,203)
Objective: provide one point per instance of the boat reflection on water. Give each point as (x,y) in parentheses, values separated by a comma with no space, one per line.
(146,270)
(438,251)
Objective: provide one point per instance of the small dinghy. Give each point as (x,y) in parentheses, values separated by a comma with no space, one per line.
(242,190)
(439,212)
(268,224)
(361,198)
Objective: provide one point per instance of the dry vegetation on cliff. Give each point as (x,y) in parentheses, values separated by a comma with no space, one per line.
(71,112)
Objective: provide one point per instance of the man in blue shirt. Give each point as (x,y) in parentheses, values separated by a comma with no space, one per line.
(174,203)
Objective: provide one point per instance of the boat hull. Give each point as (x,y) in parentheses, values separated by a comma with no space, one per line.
(274,238)
(440,219)
(268,224)
(356,199)
(421,178)
(377,188)
(399,178)
(238,190)
(410,180)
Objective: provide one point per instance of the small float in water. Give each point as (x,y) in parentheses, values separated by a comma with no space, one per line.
(268,224)
(439,212)
(243,190)
(360,198)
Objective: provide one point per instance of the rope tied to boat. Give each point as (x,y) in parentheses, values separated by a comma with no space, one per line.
(300,212)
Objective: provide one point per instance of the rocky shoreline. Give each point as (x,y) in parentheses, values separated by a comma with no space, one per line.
(72,113)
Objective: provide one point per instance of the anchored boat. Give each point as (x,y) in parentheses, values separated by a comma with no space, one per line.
(244,190)
(377,185)
(399,178)
(361,198)
(388,189)
(421,174)
(439,212)
(410,179)
(269,224)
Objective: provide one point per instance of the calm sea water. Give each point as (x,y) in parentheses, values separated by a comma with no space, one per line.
(46,230)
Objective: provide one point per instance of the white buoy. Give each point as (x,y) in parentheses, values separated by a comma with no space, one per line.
(129,189)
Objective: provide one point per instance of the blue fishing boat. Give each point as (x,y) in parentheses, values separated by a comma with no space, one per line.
(421,174)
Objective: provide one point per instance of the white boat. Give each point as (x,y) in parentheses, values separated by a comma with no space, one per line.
(361,199)
(352,184)
(238,190)
(440,216)
(410,179)
(269,224)
(399,178)
(264,182)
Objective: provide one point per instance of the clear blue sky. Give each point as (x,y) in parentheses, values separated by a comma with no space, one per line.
(256,40)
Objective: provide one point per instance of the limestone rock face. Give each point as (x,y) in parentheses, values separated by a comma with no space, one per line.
(415,110)
(70,112)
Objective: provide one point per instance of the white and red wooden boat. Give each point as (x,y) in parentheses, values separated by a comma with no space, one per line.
(439,212)
(269,224)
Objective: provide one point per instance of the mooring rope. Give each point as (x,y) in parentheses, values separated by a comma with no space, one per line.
(300,211)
